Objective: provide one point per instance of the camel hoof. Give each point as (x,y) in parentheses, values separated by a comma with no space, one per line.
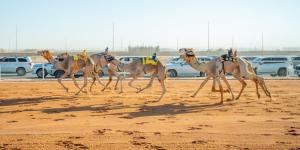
(230,99)
(121,92)
(103,90)
(67,90)
(237,98)
(193,95)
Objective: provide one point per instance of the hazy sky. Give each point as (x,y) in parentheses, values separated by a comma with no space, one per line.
(88,23)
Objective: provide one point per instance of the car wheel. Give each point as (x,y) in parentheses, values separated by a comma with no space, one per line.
(76,76)
(282,72)
(172,73)
(255,70)
(39,73)
(21,71)
(202,74)
(59,73)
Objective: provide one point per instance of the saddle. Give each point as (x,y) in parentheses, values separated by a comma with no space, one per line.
(108,58)
(227,57)
(82,56)
(149,61)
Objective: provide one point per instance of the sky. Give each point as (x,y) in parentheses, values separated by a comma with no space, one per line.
(77,24)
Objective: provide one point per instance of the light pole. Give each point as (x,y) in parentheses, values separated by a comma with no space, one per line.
(113,36)
(16,37)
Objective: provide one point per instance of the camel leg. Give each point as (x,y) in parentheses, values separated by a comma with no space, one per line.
(74,80)
(263,86)
(213,89)
(116,85)
(149,84)
(107,84)
(242,81)
(94,79)
(228,86)
(131,81)
(119,78)
(162,83)
(60,79)
(221,89)
(84,84)
(201,85)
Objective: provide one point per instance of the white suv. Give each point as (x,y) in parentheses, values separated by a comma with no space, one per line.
(178,67)
(277,65)
(19,65)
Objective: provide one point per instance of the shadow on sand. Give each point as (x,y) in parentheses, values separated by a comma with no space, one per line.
(33,100)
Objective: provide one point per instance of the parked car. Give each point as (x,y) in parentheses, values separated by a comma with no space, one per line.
(50,70)
(128,59)
(19,65)
(296,61)
(249,58)
(175,60)
(181,68)
(273,65)
(297,70)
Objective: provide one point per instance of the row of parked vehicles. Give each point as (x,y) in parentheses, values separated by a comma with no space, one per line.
(176,67)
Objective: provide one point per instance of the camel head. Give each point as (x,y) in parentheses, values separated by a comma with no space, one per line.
(46,54)
(111,59)
(187,54)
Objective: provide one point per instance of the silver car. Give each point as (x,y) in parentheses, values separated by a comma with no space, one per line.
(50,70)
(273,65)
(19,65)
(177,67)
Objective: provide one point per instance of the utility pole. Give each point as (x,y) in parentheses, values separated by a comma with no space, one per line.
(232,41)
(208,37)
(262,43)
(113,36)
(16,37)
(176,44)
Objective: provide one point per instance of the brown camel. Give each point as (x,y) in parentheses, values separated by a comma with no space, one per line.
(71,65)
(137,68)
(239,68)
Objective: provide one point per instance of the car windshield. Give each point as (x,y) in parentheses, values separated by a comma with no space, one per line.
(257,59)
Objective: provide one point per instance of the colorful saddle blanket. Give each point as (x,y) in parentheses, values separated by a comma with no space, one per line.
(149,61)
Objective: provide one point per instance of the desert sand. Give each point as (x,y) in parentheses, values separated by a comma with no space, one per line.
(41,115)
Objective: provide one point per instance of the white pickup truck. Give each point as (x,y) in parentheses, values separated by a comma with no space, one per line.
(19,65)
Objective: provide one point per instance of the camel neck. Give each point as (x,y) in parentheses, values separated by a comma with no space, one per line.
(196,64)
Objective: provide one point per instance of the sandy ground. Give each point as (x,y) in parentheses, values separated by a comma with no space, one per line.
(40,115)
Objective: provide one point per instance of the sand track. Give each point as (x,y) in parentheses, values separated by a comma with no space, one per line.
(40,115)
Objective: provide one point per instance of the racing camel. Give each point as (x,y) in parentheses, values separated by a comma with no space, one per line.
(213,69)
(138,67)
(71,65)
(101,60)
(239,67)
